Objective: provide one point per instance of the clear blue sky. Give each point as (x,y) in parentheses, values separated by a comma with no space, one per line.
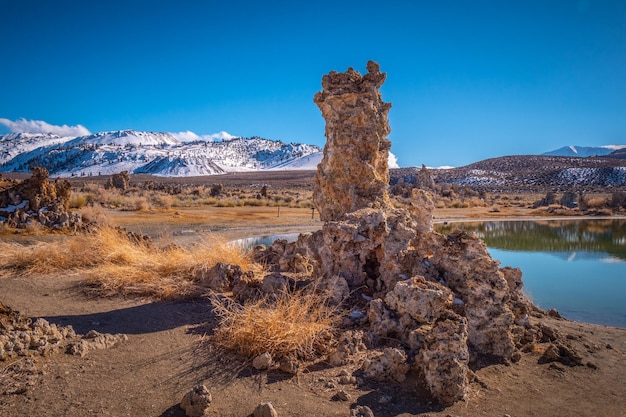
(468,80)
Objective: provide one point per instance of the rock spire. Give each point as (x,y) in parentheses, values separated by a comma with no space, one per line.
(353,173)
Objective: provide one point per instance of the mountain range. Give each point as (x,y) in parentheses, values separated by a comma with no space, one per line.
(150,153)
(586,151)
(165,154)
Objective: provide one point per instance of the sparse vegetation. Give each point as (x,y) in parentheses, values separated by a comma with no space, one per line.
(114,262)
(296,325)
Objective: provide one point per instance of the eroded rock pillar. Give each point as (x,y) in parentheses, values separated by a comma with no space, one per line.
(354,172)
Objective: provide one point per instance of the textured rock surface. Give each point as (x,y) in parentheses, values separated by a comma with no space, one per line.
(431,303)
(357,146)
(265,410)
(20,337)
(39,200)
(196,402)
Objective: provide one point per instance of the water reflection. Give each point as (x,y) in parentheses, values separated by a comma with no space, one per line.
(592,238)
(577,267)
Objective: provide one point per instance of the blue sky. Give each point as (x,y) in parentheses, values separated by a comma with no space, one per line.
(468,80)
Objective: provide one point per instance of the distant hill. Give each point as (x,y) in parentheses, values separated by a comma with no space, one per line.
(149,153)
(620,153)
(584,151)
(528,172)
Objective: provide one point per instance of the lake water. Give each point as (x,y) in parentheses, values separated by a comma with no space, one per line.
(577,267)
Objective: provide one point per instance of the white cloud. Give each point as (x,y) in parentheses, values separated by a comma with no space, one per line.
(223,135)
(614,147)
(392,161)
(39,126)
(190,136)
(187,136)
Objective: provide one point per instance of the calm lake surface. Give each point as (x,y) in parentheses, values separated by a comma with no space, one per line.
(575,266)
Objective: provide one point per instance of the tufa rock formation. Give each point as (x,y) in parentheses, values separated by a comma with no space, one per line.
(120,181)
(443,298)
(39,200)
(353,173)
(419,301)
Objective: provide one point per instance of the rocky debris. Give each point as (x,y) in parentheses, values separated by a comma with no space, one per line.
(120,181)
(361,411)
(343,395)
(96,341)
(197,401)
(390,365)
(20,337)
(560,352)
(289,366)
(422,301)
(265,410)
(349,344)
(38,200)
(221,277)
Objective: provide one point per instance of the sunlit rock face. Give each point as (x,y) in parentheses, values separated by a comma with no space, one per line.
(353,173)
(431,302)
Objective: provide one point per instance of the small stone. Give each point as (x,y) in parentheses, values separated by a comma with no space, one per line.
(343,396)
(289,365)
(265,410)
(263,361)
(196,402)
(347,379)
(361,411)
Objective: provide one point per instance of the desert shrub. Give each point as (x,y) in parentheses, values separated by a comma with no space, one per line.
(618,200)
(94,214)
(78,201)
(296,324)
(115,263)
(163,200)
(216,189)
(596,202)
(459,204)
(253,202)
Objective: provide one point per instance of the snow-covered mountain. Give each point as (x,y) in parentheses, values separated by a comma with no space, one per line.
(152,153)
(584,151)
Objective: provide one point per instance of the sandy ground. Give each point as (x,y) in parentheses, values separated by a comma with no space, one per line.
(169,351)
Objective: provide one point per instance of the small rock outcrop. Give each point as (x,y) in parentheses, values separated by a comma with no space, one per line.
(37,199)
(265,410)
(197,401)
(425,302)
(21,337)
(120,181)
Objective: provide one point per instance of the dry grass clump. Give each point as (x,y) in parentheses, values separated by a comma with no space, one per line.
(115,263)
(296,325)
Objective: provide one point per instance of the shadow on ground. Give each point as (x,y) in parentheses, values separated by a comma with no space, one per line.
(141,319)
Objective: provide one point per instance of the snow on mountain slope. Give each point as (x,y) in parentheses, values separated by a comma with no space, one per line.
(14,144)
(153,153)
(128,137)
(308,162)
(584,151)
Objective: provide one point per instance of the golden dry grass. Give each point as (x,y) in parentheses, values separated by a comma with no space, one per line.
(295,325)
(114,263)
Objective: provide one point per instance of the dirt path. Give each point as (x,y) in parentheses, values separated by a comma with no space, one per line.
(168,352)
